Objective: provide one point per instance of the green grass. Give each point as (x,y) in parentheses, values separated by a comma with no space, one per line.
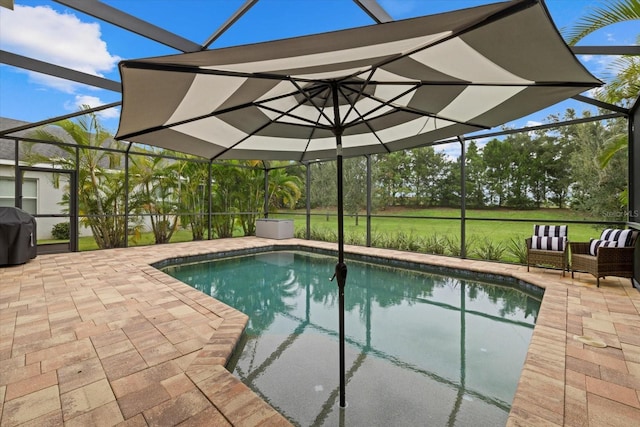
(485,238)
(414,230)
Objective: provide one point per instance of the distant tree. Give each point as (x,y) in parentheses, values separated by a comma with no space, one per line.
(429,172)
(355,185)
(323,184)
(393,177)
(558,168)
(449,192)
(497,158)
(519,170)
(596,190)
(475,176)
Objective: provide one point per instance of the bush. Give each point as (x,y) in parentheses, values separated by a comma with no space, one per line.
(60,231)
(517,248)
(490,250)
(434,244)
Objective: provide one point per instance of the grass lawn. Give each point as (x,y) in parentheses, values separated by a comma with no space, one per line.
(88,243)
(498,226)
(502,229)
(419,229)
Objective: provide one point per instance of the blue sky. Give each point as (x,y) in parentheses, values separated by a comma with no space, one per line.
(48,31)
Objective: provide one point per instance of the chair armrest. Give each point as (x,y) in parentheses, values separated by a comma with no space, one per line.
(581,248)
(527,242)
(615,255)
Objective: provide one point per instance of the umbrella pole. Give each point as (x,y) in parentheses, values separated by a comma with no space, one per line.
(341,268)
(341,274)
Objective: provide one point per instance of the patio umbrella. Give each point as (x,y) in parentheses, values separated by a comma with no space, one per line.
(365,90)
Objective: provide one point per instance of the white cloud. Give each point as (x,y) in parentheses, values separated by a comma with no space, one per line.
(92,101)
(532,123)
(62,39)
(57,83)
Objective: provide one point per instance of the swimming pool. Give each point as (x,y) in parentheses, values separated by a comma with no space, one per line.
(422,349)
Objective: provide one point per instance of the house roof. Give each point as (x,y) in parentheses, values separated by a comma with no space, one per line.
(7,147)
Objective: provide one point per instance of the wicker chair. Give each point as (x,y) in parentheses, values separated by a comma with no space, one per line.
(608,261)
(550,257)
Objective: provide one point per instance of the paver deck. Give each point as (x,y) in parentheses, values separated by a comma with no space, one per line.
(102,338)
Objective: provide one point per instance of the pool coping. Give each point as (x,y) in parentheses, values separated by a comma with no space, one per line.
(563,381)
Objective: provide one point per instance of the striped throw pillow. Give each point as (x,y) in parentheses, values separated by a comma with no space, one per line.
(621,237)
(548,243)
(550,230)
(594,244)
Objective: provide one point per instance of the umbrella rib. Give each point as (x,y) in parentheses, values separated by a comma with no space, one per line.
(249,135)
(382,102)
(366,122)
(313,131)
(315,89)
(408,109)
(295,116)
(362,85)
(311,100)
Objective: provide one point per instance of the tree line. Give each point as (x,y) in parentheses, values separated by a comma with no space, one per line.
(558,168)
(167,191)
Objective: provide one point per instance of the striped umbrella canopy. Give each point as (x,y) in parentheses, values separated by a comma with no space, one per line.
(383,87)
(365,90)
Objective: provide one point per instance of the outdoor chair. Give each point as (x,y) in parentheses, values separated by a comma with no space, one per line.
(610,255)
(548,246)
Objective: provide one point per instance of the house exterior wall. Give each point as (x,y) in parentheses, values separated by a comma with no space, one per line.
(48,198)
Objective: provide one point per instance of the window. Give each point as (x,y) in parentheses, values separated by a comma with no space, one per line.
(29,193)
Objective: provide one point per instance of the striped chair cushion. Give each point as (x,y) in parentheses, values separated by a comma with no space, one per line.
(550,230)
(548,243)
(594,244)
(622,238)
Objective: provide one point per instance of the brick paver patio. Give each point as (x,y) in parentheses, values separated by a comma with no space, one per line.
(101,338)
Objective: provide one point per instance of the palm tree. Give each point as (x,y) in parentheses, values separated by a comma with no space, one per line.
(612,13)
(193,196)
(249,195)
(625,87)
(284,189)
(100,181)
(158,192)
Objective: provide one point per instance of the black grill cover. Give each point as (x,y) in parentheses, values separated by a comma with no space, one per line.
(17,236)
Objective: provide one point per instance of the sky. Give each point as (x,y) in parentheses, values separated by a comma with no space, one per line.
(51,32)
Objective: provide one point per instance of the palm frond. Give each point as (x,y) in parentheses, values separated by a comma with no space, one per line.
(617,144)
(611,13)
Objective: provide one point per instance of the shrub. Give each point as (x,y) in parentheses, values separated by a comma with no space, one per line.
(489,250)
(60,231)
(518,249)
(451,245)
(434,244)
(356,239)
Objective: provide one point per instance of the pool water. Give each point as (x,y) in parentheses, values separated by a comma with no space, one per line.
(422,349)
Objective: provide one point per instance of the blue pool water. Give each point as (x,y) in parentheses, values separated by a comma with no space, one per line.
(422,349)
